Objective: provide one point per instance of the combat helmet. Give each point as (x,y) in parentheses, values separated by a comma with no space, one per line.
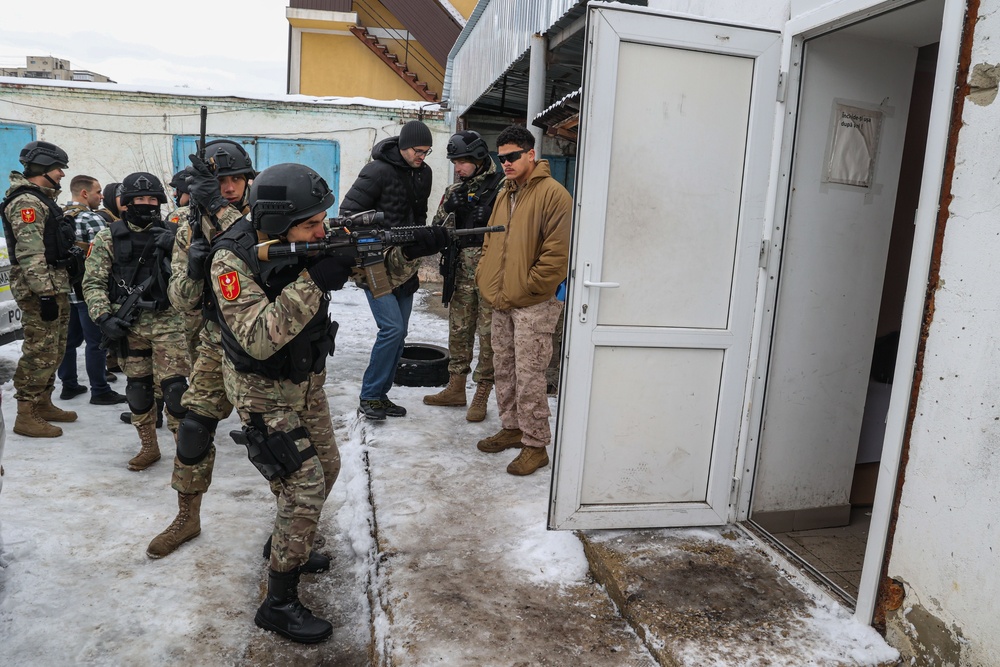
(39,157)
(229,158)
(179,182)
(142,184)
(286,194)
(467,144)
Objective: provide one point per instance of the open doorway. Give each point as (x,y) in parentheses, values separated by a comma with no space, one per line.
(845,243)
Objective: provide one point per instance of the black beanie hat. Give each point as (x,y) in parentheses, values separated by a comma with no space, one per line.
(109,197)
(415,133)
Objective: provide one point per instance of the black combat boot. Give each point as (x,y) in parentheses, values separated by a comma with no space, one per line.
(282,612)
(317,562)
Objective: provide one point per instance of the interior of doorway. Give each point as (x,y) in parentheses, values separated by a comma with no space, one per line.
(829,542)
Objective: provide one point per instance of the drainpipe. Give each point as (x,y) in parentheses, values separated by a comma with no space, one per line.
(536,88)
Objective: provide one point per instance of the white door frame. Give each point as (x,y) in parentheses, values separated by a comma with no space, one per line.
(567,511)
(812,24)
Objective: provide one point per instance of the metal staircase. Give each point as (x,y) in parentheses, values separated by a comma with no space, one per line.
(392,60)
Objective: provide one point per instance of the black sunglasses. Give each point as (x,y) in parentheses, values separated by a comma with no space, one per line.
(511,157)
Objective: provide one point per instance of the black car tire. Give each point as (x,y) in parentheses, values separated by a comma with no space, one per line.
(422,365)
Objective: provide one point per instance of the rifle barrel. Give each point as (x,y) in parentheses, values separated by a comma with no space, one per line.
(479,230)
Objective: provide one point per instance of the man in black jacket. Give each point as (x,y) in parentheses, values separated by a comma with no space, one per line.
(397,183)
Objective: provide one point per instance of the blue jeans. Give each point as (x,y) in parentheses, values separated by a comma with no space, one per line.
(392,315)
(82,328)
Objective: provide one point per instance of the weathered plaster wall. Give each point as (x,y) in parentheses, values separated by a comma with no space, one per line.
(946,549)
(109,133)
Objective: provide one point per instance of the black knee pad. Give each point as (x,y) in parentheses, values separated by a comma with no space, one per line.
(194,438)
(173,389)
(139,392)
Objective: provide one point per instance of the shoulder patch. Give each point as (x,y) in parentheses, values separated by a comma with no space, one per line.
(229,283)
(28,215)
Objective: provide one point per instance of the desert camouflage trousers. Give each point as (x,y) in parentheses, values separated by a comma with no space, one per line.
(285,406)
(206,395)
(154,348)
(43,348)
(469,315)
(522,348)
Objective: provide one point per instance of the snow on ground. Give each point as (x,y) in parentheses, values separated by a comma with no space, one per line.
(463,572)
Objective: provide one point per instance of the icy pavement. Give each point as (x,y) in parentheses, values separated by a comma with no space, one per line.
(439,556)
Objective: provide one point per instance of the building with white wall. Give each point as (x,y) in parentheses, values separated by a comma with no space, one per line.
(111,131)
(779,313)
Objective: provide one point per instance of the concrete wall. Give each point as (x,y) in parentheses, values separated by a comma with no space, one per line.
(110,131)
(947,543)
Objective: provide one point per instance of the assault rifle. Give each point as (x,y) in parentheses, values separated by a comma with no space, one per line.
(128,311)
(361,237)
(448,267)
(195,211)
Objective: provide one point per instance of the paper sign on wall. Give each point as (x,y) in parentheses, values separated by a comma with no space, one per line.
(854,145)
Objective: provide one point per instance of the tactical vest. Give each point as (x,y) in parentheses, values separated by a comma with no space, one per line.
(305,354)
(136,258)
(58,235)
(483,197)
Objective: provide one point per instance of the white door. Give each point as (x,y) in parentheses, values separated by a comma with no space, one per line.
(674,154)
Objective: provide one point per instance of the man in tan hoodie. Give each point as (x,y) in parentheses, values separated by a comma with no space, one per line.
(519,273)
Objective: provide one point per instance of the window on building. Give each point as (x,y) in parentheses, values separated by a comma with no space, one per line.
(322,155)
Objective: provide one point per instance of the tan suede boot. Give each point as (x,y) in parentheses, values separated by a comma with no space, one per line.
(503,439)
(186,526)
(29,424)
(477,410)
(149,452)
(49,412)
(528,461)
(453,394)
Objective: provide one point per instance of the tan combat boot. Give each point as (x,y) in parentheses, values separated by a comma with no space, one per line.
(49,412)
(477,411)
(528,461)
(453,394)
(186,526)
(29,424)
(504,439)
(149,453)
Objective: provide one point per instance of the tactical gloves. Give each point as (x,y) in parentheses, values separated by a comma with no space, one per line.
(331,272)
(204,186)
(428,241)
(198,254)
(458,198)
(49,308)
(115,328)
(163,238)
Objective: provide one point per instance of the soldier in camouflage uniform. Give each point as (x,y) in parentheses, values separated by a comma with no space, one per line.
(133,254)
(175,219)
(221,190)
(39,245)
(519,274)
(277,334)
(468,203)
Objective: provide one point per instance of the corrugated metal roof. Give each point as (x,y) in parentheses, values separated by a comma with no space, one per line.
(497,40)
(488,66)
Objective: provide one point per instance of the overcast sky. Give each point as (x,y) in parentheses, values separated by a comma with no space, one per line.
(229,46)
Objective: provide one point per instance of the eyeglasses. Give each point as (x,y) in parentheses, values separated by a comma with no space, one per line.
(421,152)
(511,157)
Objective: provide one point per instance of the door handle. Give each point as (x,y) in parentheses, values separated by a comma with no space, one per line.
(587,282)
